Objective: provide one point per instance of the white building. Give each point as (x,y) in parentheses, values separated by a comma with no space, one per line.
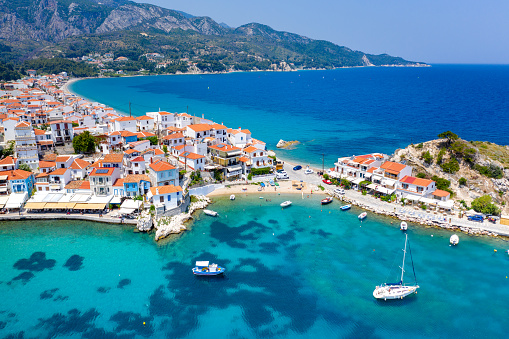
(61,132)
(145,123)
(239,137)
(125,124)
(165,197)
(26,146)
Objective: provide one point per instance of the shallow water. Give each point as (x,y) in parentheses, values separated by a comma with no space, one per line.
(302,271)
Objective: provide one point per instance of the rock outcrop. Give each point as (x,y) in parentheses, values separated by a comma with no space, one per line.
(144,223)
(286,144)
(175,224)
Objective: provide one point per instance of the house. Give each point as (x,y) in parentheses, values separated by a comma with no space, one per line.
(125,124)
(8,163)
(161,173)
(198,131)
(79,169)
(61,132)
(136,166)
(441,195)
(136,185)
(47,166)
(131,153)
(26,146)
(128,137)
(239,137)
(413,188)
(145,123)
(118,188)
(192,161)
(102,180)
(358,167)
(43,139)
(395,171)
(153,154)
(162,120)
(19,181)
(9,124)
(64,161)
(165,198)
(174,139)
(219,132)
(140,145)
(113,160)
(257,158)
(228,157)
(59,178)
(182,120)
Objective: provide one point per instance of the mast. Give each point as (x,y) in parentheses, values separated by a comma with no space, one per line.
(404,254)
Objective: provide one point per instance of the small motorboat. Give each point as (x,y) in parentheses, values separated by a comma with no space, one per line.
(232,197)
(210,212)
(454,240)
(403,226)
(326,201)
(362,216)
(345,207)
(285,203)
(204,268)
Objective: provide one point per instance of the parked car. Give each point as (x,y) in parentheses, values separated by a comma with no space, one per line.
(340,191)
(282,176)
(327,181)
(298,167)
(476,218)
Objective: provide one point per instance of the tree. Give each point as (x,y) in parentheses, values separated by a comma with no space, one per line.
(153,140)
(452,166)
(25,167)
(450,136)
(484,205)
(165,149)
(84,143)
(9,150)
(427,157)
(462,181)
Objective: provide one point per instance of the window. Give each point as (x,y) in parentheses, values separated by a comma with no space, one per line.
(405,186)
(161,198)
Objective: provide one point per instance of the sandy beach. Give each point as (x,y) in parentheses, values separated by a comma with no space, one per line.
(285,187)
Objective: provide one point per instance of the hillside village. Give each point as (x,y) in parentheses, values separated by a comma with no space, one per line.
(64,154)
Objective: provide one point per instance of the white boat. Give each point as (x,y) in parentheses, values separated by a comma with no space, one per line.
(232,197)
(285,203)
(308,171)
(210,212)
(403,226)
(454,240)
(362,216)
(397,290)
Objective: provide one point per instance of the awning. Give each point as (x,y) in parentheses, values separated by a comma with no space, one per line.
(234,168)
(388,182)
(4,177)
(115,200)
(35,205)
(349,178)
(357,181)
(3,189)
(70,205)
(372,186)
(3,200)
(131,204)
(16,200)
(446,204)
(126,210)
(368,175)
(80,206)
(54,205)
(412,197)
(429,201)
(384,190)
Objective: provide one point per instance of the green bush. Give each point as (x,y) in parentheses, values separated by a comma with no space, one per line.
(321,187)
(346,184)
(427,157)
(452,166)
(326,176)
(419,146)
(421,175)
(463,202)
(440,155)
(484,205)
(463,150)
(364,192)
(462,181)
(260,171)
(250,176)
(491,171)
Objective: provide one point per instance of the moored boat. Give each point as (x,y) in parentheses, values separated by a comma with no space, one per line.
(326,201)
(232,197)
(362,216)
(403,226)
(285,203)
(204,268)
(397,290)
(210,212)
(454,240)
(346,207)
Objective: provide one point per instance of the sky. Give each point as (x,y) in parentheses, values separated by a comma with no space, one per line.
(431,31)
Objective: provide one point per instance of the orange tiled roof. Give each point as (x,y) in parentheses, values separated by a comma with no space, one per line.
(79,164)
(161,166)
(114,157)
(165,189)
(416,181)
(136,178)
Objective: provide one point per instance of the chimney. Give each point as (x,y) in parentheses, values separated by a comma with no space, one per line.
(157,191)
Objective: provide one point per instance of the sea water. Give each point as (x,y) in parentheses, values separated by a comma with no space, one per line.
(303,271)
(332,113)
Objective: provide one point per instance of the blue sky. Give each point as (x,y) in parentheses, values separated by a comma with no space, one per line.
(433,31)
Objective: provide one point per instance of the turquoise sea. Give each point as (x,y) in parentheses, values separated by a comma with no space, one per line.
(337,112)
(305,271)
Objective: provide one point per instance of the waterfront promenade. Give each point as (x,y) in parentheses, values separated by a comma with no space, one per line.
(106,218)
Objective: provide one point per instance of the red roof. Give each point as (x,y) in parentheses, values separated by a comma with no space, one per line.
(108,171)
(47,164)
(79,164)
(416,181)
(58,171)
(161,166)
(16,174)
(138,159)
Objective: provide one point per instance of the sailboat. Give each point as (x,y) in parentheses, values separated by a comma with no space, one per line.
(397,290)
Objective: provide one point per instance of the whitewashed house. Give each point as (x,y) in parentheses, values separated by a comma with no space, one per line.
(165,198)
(26,146)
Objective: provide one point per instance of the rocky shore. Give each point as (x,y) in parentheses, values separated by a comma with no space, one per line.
(286,144)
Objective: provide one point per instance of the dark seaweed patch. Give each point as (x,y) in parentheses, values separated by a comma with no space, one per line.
(272,221)
(24,277)
(48,294)
(61,298)
(102,334)
(237,236)
(287,237)
(36,263)
(19,335)
(74,263)
(321,233)
(269,247)
(2,325)
(124,282)
(133,322)
(60,325)
(103,289)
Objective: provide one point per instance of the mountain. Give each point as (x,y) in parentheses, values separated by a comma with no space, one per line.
(72,28)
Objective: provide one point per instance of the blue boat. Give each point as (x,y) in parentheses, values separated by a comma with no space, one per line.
(204,268)
(346,207)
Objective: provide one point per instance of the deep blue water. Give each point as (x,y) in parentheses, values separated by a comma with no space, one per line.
(338,112)
(305,271)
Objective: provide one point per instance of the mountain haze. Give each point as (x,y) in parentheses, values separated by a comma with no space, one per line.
(72,28)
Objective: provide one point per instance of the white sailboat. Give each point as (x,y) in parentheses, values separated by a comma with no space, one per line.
(397,290)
